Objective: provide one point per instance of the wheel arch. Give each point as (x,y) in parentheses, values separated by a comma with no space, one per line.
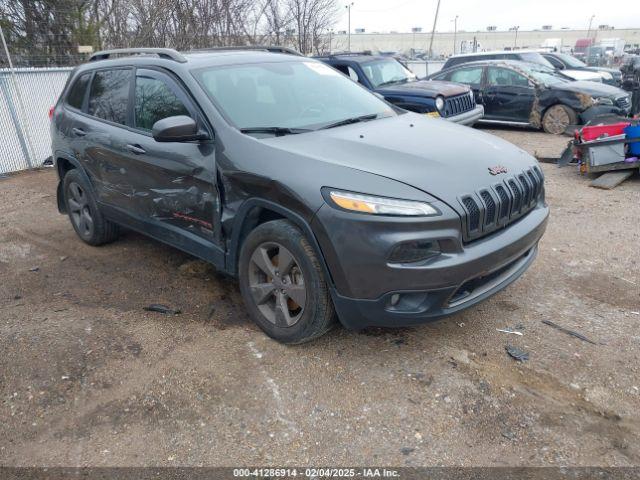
(254,212)
(63,164)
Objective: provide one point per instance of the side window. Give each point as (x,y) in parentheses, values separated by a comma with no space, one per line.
(555,62)
(348,71)
(503,77)
(353,74)
(154,101)
(109,95)
(75,98)
(470,76)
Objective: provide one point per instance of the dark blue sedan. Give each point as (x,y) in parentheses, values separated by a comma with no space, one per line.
(399,86)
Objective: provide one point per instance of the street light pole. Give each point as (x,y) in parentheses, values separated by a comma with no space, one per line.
(455,33)
(348,7)
(515,42)
(433,30)
(590,23)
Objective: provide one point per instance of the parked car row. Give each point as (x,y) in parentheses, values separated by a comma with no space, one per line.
(524,88)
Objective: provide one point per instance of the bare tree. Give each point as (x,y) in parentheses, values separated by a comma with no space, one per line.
(312,19)
(50,31)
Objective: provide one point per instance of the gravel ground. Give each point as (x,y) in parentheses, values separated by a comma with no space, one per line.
(88,378)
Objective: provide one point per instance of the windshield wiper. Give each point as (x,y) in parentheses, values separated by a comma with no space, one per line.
(348,121)
(395,80)
(277,131)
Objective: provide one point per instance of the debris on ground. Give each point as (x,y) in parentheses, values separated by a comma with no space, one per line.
(507,330)
(156,307)
(34,269)
(194,268)
(568,332)
(517,353)
(406,450)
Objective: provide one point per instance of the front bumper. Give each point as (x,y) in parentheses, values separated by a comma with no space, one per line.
(461,276)
(467,118)
(599,110)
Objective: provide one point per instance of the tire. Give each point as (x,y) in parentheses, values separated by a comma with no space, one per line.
(558,118)
(85,216)
(282,284)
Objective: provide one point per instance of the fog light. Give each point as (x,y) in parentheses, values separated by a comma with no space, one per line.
(414,251)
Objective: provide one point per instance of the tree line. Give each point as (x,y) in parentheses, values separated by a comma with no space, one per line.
(48,32)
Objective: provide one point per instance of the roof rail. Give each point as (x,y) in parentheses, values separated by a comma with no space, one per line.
(350,54)
(266,48)
(168,53)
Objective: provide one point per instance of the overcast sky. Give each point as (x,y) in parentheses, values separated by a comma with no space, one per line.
(402,15)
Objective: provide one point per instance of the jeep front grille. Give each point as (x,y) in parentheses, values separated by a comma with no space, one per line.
(458,104)
(500,204)
(623,102)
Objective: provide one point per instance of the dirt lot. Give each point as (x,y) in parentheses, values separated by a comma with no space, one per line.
(87,377)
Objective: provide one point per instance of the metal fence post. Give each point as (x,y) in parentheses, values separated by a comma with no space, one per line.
(21,126)
(14,118)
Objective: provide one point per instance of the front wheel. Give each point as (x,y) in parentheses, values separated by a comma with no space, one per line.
(283,285)
(558,119)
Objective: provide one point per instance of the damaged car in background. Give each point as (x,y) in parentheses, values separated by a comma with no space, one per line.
(398,85)
(524,94)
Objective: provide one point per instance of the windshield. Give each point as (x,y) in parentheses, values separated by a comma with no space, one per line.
(546,76)
(297,95)
(571,61)
(387,72)
(534,57)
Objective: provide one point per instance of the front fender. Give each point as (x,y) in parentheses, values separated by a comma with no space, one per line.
(243,217)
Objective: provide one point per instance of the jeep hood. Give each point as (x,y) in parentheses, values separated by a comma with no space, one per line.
(438,157)
(591,88)
(424,88)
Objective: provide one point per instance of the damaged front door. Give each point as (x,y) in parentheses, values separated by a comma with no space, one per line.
(167,187)
(508,96)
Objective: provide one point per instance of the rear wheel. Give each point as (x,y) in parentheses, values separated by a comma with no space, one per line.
(283,285)
(558,118)
(86,218)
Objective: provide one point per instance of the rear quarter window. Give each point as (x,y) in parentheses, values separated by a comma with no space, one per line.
(109,95)
(75,97)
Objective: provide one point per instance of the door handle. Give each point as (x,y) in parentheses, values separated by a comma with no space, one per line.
(78,132)
(137,149)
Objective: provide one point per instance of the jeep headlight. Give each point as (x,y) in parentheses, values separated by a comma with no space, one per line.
(440,103)
(602,101)
(357,202)
(471,96)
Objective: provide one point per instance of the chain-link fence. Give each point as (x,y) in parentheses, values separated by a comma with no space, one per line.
(26,94)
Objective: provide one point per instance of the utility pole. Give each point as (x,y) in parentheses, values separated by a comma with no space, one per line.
(330,35)
(348,7)
(433,30)
(590,23)
(455,33)
(515,42)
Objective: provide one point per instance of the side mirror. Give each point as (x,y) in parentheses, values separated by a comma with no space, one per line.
(177,129)
(531,84)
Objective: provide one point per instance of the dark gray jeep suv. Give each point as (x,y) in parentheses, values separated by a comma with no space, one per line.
(319,196)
